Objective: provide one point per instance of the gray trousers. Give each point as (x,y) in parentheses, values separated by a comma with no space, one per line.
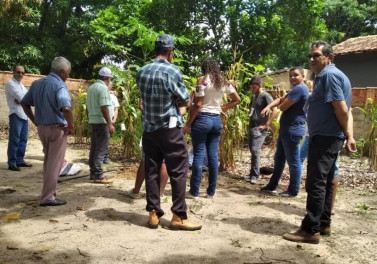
(256,140)
(99,142)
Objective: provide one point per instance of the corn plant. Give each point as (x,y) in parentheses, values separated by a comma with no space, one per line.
(370,112)
(80,118)
(235,121)
(128,112)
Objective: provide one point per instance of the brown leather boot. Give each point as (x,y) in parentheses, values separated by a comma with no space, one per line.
(301,236)
(325,230)
(177,223)
(154,220)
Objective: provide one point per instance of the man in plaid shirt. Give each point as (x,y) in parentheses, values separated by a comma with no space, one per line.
(162,92)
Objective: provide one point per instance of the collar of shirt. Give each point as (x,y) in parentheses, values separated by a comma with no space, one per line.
(53,74)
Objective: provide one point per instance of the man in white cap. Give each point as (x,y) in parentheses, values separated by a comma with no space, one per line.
(101,128)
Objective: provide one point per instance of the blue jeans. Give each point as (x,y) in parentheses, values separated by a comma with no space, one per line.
(18,133)
(288,149)
(205,133)
(256,139)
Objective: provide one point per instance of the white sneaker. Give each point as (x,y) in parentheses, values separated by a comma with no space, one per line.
(190,196)
(253,180)
(133,195)
(210,197)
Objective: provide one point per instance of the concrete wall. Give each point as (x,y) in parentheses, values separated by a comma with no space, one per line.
(279,80)
(5,76)
(361,68)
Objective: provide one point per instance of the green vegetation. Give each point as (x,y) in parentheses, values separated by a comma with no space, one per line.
(370,112)
(246,37)
(275,34)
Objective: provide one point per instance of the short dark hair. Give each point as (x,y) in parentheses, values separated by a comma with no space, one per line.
(326,50)
(15,67)
(255,80)
(103,78)
(299,68)
(161,51)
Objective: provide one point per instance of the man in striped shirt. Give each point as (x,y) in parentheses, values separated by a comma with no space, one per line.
(53,117)
(162,92)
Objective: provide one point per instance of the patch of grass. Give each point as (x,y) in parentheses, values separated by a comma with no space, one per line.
(235,243)
(255,203)
(362,209)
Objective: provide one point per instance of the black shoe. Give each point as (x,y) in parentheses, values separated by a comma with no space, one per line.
(13,168)
(56,202)
(25,164)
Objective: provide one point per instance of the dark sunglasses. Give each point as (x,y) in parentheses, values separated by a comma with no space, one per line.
(314,56)
(20,72)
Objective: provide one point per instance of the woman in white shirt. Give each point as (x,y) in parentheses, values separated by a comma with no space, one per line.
(206,124)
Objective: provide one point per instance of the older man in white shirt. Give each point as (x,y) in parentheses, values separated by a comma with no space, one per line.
(18,121)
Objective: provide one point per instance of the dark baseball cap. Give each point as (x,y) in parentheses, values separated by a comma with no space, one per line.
(164,41)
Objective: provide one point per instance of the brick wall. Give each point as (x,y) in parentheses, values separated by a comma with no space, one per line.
(5,76)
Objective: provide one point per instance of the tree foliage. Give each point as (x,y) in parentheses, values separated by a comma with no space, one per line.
(273,33)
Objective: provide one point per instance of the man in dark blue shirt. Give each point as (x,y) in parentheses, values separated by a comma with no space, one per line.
(329,126)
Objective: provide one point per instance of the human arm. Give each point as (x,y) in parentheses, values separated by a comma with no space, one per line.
(345,119)
(15,92)
(115,117)
(28,112)
(68,116)
(106,115)
(235,100)
(351,143)
(273,104)
(195,108)
(273,115)
(140,105)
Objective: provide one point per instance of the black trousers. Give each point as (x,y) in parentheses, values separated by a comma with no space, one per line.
(323,152)
(168,144)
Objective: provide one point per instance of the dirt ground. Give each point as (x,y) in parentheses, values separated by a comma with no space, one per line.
(100,224)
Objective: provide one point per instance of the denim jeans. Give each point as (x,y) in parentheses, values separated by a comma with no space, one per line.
(323,152)
(99,142)
(18,133)
(287,149)
(256,139)
(205,133)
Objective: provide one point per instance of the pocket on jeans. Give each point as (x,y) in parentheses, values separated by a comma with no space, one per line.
(201,123)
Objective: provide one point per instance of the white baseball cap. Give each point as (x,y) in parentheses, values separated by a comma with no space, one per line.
(105,72)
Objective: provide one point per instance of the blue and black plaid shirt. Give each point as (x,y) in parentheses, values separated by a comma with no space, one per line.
(161,86)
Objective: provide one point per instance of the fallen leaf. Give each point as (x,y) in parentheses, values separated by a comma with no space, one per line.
(7,191)
(44,249)
(11,248)
(32,202)
(53,221)
(11,217)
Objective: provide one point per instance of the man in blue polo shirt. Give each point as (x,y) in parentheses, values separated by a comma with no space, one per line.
(53,117)
(162,92)
(329,125)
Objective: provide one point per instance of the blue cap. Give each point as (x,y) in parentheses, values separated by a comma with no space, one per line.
(164,41)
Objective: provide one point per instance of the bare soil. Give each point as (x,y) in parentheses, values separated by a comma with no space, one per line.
(100,224)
